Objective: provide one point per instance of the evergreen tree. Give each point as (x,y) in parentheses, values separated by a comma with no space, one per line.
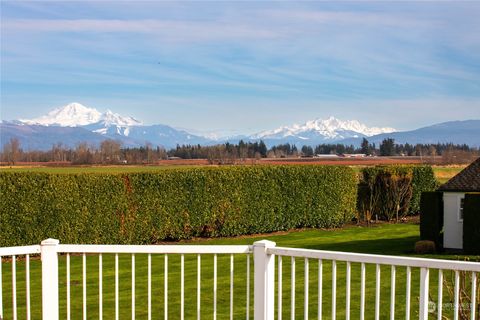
(387,148)
(365,147)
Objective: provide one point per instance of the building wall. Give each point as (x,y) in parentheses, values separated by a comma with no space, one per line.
(452,223)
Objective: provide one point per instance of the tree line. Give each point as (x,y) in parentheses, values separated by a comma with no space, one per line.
(112,152)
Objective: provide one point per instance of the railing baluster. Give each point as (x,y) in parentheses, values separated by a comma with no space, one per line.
(334,289)
(377,292)
(320,288)
(248,287)
(214,287)
(68,286)
(408,293)
(293,290)
(424,285)
(84,285)
(133,286)
(165,299)
(182,285)
(231,287)
(116,287)
(199,270)
(392,293)
(14,287)
(362,291)
(474,296)
(440,295)
(27,281)
(149,287)
(279,317)
(456,294)
(100,287)
(305,311)
(1,289)
(347,297)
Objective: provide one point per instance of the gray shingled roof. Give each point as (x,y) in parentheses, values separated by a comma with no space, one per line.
(467,180)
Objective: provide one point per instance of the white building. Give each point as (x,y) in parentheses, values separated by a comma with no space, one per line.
(468,180)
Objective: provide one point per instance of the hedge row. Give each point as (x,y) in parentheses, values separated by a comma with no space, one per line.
(431,218)
(144,208)
(471,223)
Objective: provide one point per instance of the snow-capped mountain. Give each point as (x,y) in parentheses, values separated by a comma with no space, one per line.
(75,123)
(329,130)
(77,115)
(86,124)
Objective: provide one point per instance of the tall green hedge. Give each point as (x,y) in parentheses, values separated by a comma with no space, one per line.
(423,179)
(172,204)
(431,217)
(471,223)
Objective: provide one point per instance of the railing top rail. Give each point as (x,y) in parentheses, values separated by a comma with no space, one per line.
(377,259)
(12,251)
(160,249)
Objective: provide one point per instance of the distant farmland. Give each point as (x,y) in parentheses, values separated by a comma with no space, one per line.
(442,172)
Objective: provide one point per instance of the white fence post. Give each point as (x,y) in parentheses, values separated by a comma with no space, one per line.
(424,298)
(49,279)
(264,280)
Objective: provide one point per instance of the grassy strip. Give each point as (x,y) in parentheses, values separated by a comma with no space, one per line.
(445,173)
(381,239)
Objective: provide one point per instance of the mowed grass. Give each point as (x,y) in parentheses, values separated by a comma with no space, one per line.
(391,239)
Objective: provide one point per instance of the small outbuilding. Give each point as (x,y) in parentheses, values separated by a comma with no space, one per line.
(466,181)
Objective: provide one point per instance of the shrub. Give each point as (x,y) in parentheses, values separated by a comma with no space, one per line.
(172,204)
(471,224)
(424,247)
(431,217)
(393,191)
(423,179)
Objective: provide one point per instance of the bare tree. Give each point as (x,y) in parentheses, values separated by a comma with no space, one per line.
(83,154)
(12,151)
(110,151)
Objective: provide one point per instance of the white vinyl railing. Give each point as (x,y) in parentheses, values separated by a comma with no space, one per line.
(271,266)
(424,265)
(13,253)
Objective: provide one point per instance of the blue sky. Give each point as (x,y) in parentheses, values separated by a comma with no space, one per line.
(244,66)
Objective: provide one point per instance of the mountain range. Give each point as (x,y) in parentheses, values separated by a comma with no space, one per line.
(75,123)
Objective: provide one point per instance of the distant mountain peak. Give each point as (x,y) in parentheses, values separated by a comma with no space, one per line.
(111,118)
(329,129)
(72,115)
(76,114)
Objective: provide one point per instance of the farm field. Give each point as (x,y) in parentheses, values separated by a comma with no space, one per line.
(442,173)
(93,169)
(392,239)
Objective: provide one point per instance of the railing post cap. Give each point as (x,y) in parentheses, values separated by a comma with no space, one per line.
(50,242)
(264,243)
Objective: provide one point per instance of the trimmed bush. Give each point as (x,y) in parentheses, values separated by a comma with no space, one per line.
(431,217)
(471,224)
(423,179)
(424,247)
(145,208)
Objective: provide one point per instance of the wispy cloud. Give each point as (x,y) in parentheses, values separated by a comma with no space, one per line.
(170,30)
(299,58)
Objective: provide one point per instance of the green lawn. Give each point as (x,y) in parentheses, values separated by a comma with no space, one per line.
(445,173)
(382,239)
